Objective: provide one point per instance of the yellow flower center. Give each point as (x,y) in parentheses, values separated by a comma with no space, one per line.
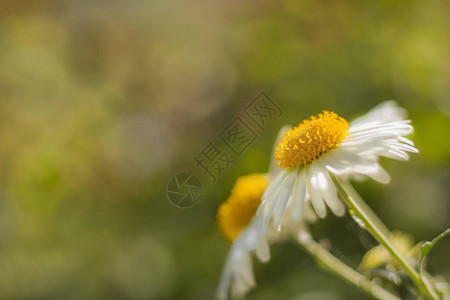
(378,256)
(311,139)
(239,209)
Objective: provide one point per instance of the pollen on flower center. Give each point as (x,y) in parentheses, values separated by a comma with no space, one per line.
(237,212)
(311,139)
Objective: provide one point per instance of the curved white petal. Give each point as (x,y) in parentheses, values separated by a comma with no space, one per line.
(380,175)
(384,112)
(246,270)
(314,192)
(262,250)
(329,193)
(346,162)
(237,275)
(299,195)
(228,273)
(273,166)
(271,192)
(282,200)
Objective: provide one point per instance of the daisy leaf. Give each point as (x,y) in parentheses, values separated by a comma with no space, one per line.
(426,247)
(424,250)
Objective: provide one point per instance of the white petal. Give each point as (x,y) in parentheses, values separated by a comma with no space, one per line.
(299,196)
(401,143)
(237,274)
(401,146)
(343,162)
(309,214)
(238,288)
(398,154)
(384,112)
(406,141)
(281,202)
(271,192)
(262,250)
(251,235)
(274,185)
(381,126)
(273,166)
(348,156)
(314,193)
(246,270)
(380,175)
(227,275)
(329,194)
(371,135)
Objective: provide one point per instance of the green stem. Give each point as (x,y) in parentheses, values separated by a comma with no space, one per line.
(336,266)
(364,214)
(366,208)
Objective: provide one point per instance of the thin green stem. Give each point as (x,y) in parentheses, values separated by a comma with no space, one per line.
(366,208)
(368,223)
(336,266)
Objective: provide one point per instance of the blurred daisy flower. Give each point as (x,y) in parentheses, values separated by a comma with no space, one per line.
(238,223)
(378,256)
(325,144)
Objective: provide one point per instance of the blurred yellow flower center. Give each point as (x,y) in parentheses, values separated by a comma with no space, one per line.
(311,139)
(237,212)
(378,255)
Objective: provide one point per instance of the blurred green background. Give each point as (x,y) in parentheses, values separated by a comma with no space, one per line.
(101,102)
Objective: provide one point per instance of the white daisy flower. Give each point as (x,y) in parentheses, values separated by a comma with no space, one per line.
(325,144)
(238,223)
